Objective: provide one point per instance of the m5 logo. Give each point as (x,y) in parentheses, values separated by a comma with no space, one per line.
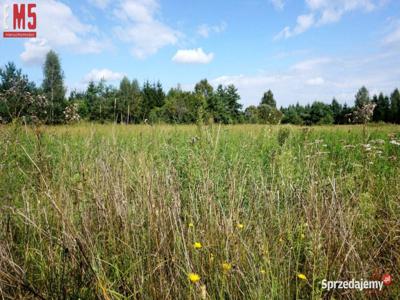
(22,17)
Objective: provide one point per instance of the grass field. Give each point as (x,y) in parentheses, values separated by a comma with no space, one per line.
(254,212)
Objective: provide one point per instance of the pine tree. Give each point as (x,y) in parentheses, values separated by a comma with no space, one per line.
(382,109)
(336,109)
(268,99)
(19,96)
(395,107)
(153,97)
(232,99)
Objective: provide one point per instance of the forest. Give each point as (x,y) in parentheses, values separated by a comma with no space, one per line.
(133,103)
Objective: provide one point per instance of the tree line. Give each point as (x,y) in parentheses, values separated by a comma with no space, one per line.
(132,103)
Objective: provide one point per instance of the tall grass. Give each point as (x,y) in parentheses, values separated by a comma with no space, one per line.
(112,212)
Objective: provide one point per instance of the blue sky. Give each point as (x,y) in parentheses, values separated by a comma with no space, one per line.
(303,50)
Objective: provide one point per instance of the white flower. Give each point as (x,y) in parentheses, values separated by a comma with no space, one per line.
(381,142)
(367,147)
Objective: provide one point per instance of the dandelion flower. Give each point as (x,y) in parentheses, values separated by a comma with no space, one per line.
(193,277)
(191,225)
(197,245)
(226,267)
(240,226)
(302,276)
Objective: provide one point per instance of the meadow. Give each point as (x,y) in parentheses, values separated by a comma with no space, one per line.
(198,212)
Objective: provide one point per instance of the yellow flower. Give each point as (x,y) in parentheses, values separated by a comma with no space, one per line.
(281,240)
(193,277)
(302,276)
(191,225)
(262,271)
(197,245)
(302,236)
(240,226)
(226,266)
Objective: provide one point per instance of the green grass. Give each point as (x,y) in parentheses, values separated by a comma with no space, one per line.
(103,211)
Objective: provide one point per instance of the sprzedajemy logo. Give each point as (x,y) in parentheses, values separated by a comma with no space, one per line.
(357,284)
(19,20)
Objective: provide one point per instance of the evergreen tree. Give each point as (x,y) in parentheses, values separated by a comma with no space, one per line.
(291,115)
(101,101)
(382,109)
(320,113)
(268,99)
(345,117)
(136,109)
(305,114)
(153,96)
(362,97)
(79,99)
(219,106)
(336,109)
(232,101)
(14,86)
(395,107)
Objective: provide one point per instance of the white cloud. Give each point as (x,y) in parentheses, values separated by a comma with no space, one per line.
(332,11)
(141,11)
(393,37)
(205,30)
(311,64)
(193,56)
(58,27)
(318,79)
(250,81)
(315,81)
(342,5)
(283,34)
(35,51)
(102,74)
(141,28)
(278,4)
(304,22)
(323,12)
